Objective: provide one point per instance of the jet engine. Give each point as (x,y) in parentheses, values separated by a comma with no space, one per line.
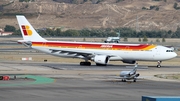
(137,75)
(129,61)
(101,59)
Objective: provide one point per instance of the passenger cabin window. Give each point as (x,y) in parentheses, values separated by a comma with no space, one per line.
(169,50)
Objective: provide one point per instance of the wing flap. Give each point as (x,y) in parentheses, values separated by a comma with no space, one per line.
(69,52)
(79,52)
(54,51)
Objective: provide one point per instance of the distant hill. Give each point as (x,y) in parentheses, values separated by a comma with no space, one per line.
(78,14)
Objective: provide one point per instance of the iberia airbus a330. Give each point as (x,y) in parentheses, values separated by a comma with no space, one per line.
(100,53)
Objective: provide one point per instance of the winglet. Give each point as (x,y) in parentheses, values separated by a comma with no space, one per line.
(28,32)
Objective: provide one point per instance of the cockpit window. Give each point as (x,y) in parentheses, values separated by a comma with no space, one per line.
(169,50)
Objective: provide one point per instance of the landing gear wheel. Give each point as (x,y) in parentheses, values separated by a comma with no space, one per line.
(134,80)
(97,64)
(85,63)
(158,66)
(123,80)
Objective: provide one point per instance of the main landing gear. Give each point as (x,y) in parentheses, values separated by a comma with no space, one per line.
(123,80)
(97,64)
(85,63)
(159,64)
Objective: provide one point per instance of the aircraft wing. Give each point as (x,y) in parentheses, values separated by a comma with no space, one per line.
(79,52)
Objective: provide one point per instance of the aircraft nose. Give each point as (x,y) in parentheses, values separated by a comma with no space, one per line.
(171,55)
(174,55)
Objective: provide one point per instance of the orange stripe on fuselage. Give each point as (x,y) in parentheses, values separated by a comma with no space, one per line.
(139,47)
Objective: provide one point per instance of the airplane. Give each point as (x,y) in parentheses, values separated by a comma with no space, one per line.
(128,75)
(100,53)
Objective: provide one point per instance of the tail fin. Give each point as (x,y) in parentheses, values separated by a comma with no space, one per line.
(135,68)
(28,32)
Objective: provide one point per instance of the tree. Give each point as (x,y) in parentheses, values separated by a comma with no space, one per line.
(151,42)
(157,40)
(85,0)
(1,9)
(74,1)
(71,33)
(169,32)
(119,1)
(49,32)
(175,6)
(106,32)
(163,40)
(85,32)
(144,8)
(176,33)
(98,1)
(84,39)
(157,9)
(58,32)
(17,33)
(145,39)
(9,28)
(24,0)
(152,7)
(125,39)
(27,6)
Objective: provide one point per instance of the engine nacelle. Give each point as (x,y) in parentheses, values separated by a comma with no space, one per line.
(129,61)
(101,59)
(137,75)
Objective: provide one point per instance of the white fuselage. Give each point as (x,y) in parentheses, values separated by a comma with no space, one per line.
(158,53)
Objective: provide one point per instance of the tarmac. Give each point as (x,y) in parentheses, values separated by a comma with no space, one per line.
(45,81)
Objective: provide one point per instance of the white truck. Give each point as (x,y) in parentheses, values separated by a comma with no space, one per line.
(113,39)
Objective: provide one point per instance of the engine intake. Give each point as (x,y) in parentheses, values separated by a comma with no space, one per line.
(137,75)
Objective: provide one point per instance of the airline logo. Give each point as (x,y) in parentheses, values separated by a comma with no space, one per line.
(26,30)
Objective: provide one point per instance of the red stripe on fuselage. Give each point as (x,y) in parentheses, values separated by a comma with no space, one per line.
(91,45)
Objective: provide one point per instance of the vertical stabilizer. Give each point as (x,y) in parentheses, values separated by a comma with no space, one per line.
(134,69)
(28,32)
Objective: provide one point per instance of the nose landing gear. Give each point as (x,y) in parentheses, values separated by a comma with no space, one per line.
(159,64)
